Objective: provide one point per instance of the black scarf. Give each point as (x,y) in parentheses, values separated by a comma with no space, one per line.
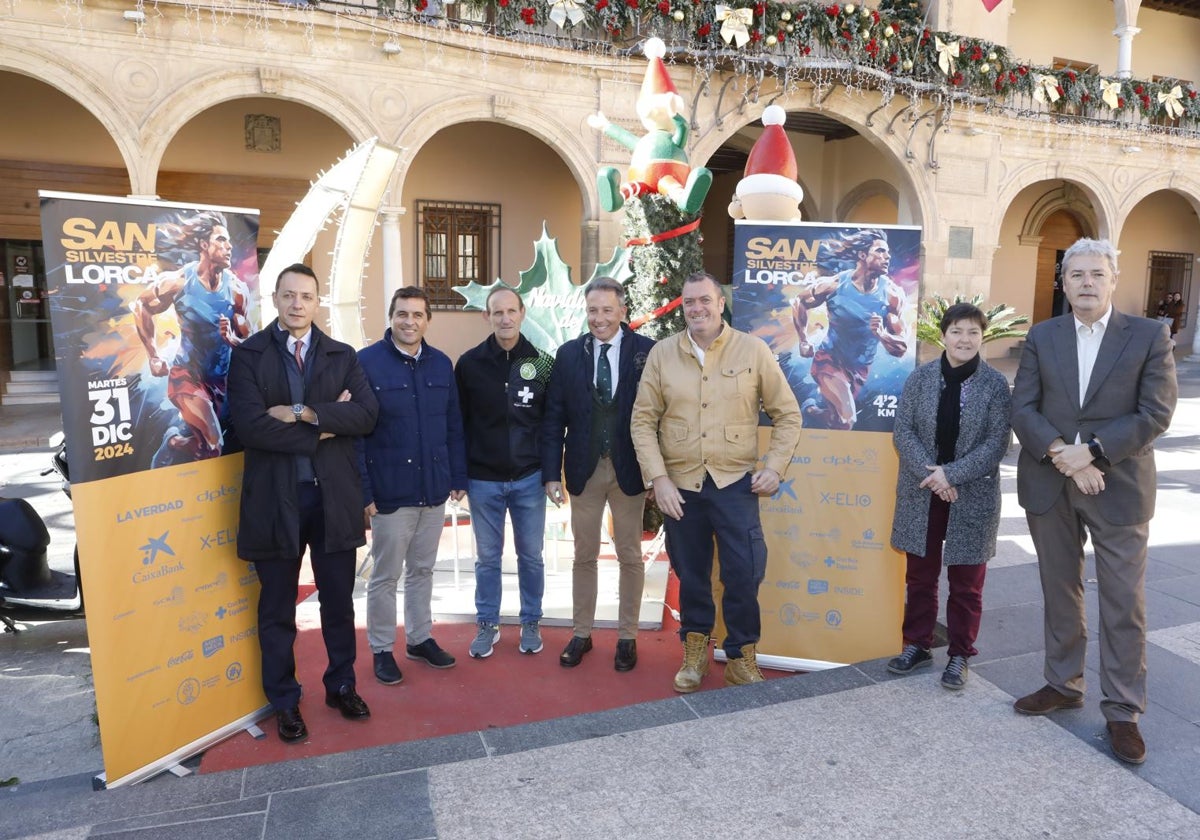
(950,406)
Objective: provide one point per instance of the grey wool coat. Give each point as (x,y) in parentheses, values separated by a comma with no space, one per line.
(983,439)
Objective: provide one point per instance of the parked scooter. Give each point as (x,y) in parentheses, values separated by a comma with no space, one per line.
(27,583)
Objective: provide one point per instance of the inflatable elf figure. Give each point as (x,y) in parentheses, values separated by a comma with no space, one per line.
(659,163)
(662,197)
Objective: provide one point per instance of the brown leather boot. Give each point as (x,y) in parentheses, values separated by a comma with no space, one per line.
(744,670)
(695,663)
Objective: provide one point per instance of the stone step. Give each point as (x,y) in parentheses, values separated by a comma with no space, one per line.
(34,376)
(31,387)
(31,399)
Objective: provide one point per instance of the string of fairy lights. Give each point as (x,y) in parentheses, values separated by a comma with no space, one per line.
(769,49)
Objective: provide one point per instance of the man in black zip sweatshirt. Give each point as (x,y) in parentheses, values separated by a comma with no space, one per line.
(502,390)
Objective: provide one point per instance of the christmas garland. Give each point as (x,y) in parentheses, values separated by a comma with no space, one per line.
(881,45)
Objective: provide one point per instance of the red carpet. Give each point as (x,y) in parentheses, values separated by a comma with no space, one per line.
(505,689)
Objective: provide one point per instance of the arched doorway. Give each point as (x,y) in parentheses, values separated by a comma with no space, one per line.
(51,142)
(1059,230)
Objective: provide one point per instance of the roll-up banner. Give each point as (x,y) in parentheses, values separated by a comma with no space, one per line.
(837,304)
(146,300)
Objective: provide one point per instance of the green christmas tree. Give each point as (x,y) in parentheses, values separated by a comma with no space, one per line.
(664,244)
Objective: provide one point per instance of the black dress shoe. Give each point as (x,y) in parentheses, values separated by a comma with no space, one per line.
(626,656)
(347,701)
(572,655)
(291,725)
(386,669)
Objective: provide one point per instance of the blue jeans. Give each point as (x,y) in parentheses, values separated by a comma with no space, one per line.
(525,501)
(730,514)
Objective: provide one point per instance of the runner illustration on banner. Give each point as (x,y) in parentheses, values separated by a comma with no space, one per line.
(837,304)
(864,309)
(210,304)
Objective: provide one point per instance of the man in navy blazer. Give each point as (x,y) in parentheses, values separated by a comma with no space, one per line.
(588,405)
(1094,389)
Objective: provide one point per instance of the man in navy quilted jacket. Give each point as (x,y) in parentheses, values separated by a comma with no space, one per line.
(414,460)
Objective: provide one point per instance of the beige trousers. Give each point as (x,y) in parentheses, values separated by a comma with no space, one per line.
(587,510)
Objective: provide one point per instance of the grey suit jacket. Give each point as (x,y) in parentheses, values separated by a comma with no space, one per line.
(1129,402)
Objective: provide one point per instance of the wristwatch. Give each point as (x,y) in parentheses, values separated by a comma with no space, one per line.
(1095,448)
(297,410)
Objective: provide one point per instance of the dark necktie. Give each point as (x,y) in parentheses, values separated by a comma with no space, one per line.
(604,375)
(300,355)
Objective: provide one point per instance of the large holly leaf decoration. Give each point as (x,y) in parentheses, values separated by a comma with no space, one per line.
(555,310)
(618,268)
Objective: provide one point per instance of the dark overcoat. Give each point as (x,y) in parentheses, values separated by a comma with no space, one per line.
(270,520)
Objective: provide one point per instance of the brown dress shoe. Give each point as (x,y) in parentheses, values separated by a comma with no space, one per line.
(1046,700)
(1126,741)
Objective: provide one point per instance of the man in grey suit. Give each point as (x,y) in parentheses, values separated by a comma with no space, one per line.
(1094,389)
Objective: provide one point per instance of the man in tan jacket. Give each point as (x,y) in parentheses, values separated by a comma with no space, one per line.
(695,430)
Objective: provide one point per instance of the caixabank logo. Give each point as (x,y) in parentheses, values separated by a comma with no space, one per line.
(784,500)
(153,551)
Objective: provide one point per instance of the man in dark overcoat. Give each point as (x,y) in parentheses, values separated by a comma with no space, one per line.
(298,399)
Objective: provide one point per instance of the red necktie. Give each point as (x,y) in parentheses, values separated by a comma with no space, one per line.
(300,355)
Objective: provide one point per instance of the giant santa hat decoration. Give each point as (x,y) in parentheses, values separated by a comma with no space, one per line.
(771,167)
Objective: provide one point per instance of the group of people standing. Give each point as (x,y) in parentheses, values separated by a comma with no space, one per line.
(1094,389)
(337,441)
(1171,310)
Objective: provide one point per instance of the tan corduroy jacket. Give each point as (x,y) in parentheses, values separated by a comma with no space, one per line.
(689,420)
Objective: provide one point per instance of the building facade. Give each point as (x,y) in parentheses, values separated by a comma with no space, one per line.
(244,104)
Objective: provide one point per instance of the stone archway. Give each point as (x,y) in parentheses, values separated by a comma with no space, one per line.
(1057,232)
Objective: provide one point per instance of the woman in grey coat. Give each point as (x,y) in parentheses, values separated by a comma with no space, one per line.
(951,432)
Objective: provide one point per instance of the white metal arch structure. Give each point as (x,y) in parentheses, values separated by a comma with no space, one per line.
(356,185)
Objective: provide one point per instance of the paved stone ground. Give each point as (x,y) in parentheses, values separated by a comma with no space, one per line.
(852,752)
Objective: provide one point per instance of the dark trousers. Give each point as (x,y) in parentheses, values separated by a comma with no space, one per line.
(280,579)
(731,515)
(964,607)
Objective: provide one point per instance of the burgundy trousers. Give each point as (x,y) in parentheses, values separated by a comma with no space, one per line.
(964,607)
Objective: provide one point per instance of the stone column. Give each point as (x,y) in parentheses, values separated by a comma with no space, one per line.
(1194,356)
(589,250)
(1125,50)
(393,267)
